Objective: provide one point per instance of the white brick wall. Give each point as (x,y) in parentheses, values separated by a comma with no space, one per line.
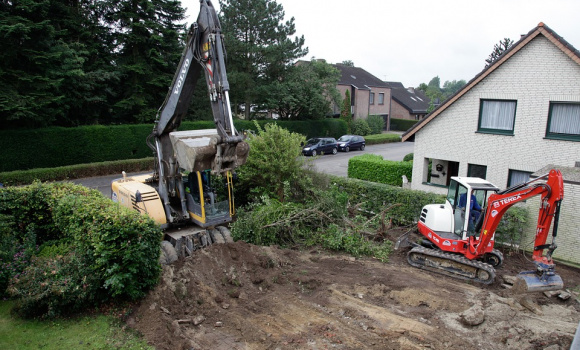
(534,76)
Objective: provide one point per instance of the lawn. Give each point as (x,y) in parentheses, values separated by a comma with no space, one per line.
(86,332)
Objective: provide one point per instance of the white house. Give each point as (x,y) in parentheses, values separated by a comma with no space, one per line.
(513,119)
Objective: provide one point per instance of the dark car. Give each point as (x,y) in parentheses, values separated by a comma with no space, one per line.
(320,145)
(351,142)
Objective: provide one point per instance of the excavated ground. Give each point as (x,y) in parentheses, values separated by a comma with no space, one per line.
(241,296)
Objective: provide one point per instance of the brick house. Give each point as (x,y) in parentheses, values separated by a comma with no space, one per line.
(369,95)
(516,117)
(407,103)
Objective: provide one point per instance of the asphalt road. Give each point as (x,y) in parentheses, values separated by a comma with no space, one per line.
(330,164)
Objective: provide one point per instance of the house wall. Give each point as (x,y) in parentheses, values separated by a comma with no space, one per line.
(534,76)
(361,108)
(376,108)
(400,112)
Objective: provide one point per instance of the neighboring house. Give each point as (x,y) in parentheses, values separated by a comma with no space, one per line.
(407,103)
(369,95)
(513,119)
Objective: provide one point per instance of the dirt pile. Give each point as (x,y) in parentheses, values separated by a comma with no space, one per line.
(240,296)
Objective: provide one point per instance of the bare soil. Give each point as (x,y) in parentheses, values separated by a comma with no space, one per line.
(241,296)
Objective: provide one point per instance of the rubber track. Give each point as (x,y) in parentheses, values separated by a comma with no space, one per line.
(456,260)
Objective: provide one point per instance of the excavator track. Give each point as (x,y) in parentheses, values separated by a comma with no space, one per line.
(452,265)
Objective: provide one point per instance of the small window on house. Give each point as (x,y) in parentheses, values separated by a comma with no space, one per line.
(381,98)
(474,170)
(497,116)
(372,98)
(564,121)
(516,177)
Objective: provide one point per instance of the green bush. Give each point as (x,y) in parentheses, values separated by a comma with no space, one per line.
(376,124)
(372,167)
(408,157)
(402,124)
(510,229)
(382,138)
(110,252)
(360,127)
(404,204)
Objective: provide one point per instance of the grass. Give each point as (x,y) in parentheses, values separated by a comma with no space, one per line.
(87,332)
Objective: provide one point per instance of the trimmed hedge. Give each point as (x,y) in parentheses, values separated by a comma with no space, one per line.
(405,204)
(25,177)
(382,138)
(57,146)
(372,167)
(402,124)
(105,251)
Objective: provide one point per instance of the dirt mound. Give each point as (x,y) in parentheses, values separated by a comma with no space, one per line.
(241,296)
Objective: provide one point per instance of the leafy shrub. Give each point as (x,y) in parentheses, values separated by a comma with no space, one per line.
(511,227)
(360,127)
(408,157)
(109,252)
(274,167)
(372,167)
(376,124)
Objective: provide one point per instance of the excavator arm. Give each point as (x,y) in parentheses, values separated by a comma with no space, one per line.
(219,150)
(552,193)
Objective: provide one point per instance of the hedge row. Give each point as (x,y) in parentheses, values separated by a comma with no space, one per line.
(372,167)
(25,177)
(56,146)
(405,204)
(382,138)
(402,124)
(100,250)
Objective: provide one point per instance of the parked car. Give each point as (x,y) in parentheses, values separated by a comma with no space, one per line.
(320,145)
(351,142)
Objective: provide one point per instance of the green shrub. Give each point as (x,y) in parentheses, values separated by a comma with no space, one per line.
(372,167)
(402,124)
(404,205)
(382,138)
(376,124)
(93,249)
(511,227)
(408,157)
(360,127)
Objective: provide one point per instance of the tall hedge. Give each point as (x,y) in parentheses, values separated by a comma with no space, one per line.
(402,124)
(405,204)
(100,250)
(54,147)
(372,167)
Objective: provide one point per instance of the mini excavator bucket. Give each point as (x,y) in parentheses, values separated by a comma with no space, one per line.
(541,280)
(199,150)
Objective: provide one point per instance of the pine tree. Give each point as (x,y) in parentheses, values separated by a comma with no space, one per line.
(259,47)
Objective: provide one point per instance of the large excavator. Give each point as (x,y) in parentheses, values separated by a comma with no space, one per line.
(193,169)
(458,236)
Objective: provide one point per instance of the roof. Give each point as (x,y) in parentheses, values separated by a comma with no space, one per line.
(541,29)
(358,77)
(571,175)
(415,101)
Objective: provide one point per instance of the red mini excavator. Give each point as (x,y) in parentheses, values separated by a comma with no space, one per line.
(460,232)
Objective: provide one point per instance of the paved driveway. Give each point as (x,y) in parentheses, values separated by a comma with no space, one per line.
(329,164)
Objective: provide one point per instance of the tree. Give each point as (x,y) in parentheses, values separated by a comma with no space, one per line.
(345,111)
(436,94)
(306,91)
(498,50)
(348,63)
(260,48)
(149,47)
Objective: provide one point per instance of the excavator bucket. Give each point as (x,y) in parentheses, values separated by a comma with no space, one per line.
(532,281)
(199,150)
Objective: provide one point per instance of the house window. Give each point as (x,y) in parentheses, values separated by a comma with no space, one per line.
(516,177)
(564,121)
(372,98)
(497,116)
(474,170)
(381,98)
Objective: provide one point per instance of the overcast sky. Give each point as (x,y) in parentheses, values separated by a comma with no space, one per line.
(412,41)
